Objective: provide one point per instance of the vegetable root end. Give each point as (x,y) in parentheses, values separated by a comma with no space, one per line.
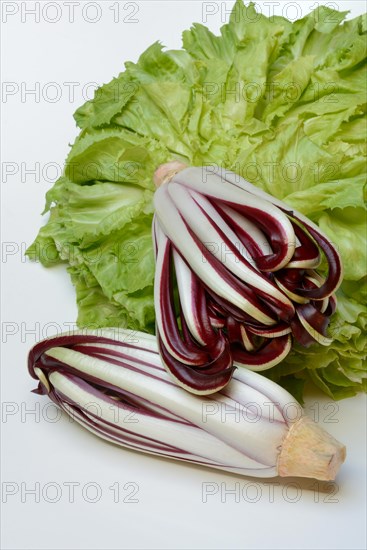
(310,451)
(165,172)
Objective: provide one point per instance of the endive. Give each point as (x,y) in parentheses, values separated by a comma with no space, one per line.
(244,264)
(113,383)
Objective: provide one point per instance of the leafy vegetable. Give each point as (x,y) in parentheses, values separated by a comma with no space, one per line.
(255,428)
(243,264)
(282,104)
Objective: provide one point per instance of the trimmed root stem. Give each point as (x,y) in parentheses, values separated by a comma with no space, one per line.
(309,451)
(165,172)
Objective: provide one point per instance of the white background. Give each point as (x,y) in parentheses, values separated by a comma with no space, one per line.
(170,511)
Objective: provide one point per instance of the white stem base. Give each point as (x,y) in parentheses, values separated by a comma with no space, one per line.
(309,451)
(165,172)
